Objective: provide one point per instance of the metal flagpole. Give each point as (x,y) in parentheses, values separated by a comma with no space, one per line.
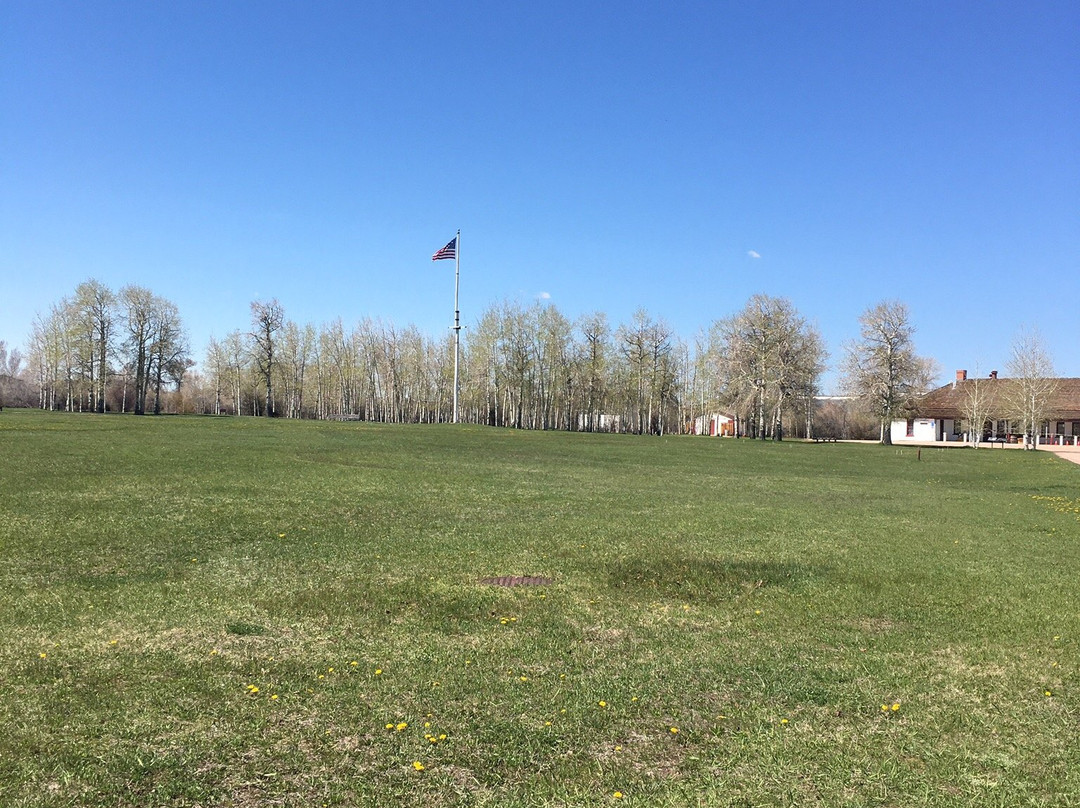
(457,320)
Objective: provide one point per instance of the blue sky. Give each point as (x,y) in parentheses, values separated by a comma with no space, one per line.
(604,156)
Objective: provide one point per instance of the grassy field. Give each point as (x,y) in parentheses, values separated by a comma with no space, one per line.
(235,612)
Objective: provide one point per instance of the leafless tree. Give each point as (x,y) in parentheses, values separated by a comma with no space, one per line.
(769,355)
(980,404)
(267,318)
(882,368)
(1033,384)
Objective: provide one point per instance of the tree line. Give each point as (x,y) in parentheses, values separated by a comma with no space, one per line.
(522,366)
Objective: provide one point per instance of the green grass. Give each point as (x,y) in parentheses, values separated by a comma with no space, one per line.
(765,600)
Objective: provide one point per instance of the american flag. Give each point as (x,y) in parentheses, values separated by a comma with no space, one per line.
(449,251)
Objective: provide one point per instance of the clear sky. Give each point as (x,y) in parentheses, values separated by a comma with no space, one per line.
(604,156)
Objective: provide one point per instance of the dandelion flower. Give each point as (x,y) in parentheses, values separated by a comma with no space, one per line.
(378,671)
(418,765)
(674,730)
(783,720)
(617,795)
(401,726)
(896,706)
(602,703)
(389,726)
(524,678)
(42,655)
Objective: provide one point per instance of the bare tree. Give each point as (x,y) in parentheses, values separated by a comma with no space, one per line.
(138,305)
(596,334)
(979,404)
(10,367)
(168,351)
(95,305)
(266,320)
(882,368)
(1032,373)
(769,355)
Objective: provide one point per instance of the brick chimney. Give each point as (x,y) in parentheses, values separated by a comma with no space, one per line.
(961,375)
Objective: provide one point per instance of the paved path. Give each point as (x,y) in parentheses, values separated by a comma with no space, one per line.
(1071,453)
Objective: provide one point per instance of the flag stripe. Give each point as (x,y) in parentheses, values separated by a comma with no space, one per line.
(449,251)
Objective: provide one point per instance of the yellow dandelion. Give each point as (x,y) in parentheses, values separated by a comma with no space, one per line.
(896,706)
(617,795)
(524,678)
(281,535)
(674,730)
(354,663)
(389,726)
(378,671)
(273,697)
(602,703)
(418,765)
(783,721)
(1048,693)
(401,726)
(884,708)
(42,655)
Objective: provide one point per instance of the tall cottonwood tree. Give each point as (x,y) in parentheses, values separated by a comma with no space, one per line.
(267,318)
(95,306)
(169,359)
(595,358)
(138,305)
(769,356)
(882,368)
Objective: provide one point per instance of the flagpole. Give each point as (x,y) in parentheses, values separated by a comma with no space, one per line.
(457,321)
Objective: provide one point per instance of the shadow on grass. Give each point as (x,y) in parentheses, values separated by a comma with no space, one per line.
(706,580)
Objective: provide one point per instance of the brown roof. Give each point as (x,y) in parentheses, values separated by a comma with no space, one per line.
(950,401)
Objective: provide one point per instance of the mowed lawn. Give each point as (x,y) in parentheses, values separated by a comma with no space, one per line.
(240,612)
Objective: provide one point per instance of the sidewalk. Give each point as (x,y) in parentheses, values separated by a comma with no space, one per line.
(1070,453)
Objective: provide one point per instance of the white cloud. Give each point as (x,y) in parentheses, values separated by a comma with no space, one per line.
(754,254)
(544,296)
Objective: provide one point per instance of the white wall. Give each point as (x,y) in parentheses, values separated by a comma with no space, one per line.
(925,430)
